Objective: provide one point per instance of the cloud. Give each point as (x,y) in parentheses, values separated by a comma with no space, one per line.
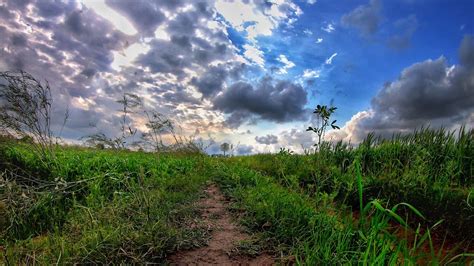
(309,73)
(254,54)
(211,81)
(243,149)
(329,60)
(311,2)
(328,28)
(239,149)
(67,51)
(426,93)
(365,18)
(296,139)
(75,48)
(287,64)
(466,52)
(406,27)
(257,18)
(279,101)
(146,16)
(319,40)
(267,140)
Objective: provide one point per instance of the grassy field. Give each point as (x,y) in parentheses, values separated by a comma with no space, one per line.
(408,200)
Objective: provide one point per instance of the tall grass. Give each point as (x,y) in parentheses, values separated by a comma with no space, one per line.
(405,200)
(430,169)
(98,207)
(311,231)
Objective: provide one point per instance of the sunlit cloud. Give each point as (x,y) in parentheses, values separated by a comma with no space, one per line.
(329,60)
(102,9)
(127,57)
(328,28)
(224,68)
(287,64)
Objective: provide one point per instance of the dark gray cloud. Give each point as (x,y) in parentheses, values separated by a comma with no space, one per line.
(18,40)
(244,149)
(146,16)
(267,140)
(165,57)
(426,93)
(51,8)
(212,81)
(187,49)
(186,23)
(280,101)
(73,47)
(466,52)
(67,52)
(405,27)
(365,18)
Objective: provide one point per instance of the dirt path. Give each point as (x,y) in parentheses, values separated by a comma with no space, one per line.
(225,234)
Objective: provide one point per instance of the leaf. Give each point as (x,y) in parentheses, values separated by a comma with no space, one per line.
(416,211)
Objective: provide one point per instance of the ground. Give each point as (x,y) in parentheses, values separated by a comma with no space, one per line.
(225,237)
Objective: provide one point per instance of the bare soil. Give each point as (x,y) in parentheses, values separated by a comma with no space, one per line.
(225,235)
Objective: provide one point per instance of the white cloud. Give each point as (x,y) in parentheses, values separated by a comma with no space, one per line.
(307,32)
(160,33)
(309,73)
(287,64)
(296,140)
(238,13)
(253,54)
(120,22)
(350,131)
(319,40)
(311,2)
(127,56)
(328,28)
(329,60)
(255,20)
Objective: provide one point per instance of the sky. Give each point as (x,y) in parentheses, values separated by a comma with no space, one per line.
(249,72)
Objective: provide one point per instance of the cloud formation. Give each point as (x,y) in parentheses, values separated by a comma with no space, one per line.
(426,93)
(406,27)
(146,16)
(267,140)
(365,18)
(279,101)
(329,60)
(287,64)
(296,139)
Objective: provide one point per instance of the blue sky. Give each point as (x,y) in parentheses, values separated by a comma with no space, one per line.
(249,72)
(364,63)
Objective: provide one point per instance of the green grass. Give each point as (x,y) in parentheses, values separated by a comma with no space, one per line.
(407,200)
(132,207)
(432,170)
(316,232)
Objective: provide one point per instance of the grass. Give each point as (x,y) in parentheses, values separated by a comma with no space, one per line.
(432,170)
(317,232)
(131,207)
(407,200)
